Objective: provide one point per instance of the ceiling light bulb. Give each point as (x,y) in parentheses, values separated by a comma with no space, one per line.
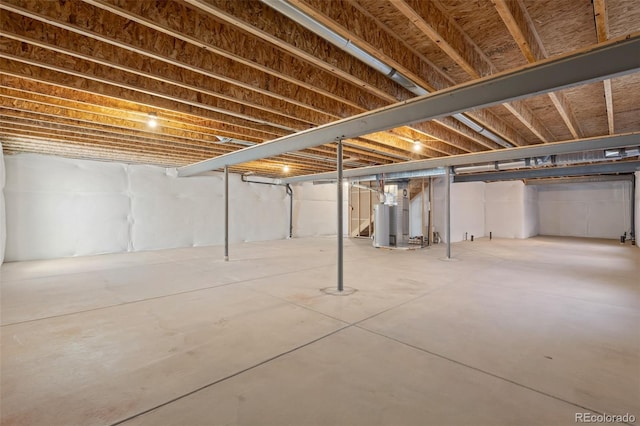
(417,146)
(153,120)
(285,169)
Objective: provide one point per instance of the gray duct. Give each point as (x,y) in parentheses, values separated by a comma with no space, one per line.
(336,39)
(553,160)
(390,177)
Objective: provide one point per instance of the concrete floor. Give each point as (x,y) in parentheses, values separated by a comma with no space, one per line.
(525,332)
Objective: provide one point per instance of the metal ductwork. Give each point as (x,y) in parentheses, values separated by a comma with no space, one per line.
(346,45)
(491,167)
(481,130)
(511,165)
(553,160)
(391,177)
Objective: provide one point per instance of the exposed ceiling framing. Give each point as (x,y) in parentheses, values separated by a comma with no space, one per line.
(79,78)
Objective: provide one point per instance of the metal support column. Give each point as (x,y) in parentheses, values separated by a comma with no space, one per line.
(339,203)
(447,214)
(430,225)
(226,213)
(423,222)
(633,208)
(290,194)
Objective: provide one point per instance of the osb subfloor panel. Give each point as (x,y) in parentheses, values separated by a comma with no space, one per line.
(525,332)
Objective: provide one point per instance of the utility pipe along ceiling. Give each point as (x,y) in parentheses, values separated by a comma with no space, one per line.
(179,82)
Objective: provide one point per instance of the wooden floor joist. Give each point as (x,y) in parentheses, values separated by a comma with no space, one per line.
(222,76)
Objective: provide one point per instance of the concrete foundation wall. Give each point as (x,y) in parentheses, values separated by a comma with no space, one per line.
(57,207)
(596,210)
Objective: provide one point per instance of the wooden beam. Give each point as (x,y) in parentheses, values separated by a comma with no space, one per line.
(48,146)
(210,32)
(566,112)
(271,26)
(126,129)
(504,9)
(517,20)
(101,31)
(429,145)
(454,45)
(455,143)
(258,19)
(367,7)
(456,126)
(19,66)
(426,132)
(189,49)
(453,41)
(30,117)
(600,15)
(615,58)
(193,127)
(175,93)
(96,137)
(392,140)
(19,145)
(41,35)
(91,141)
(608,96)
(602,30)
(497,126)
(526,116)
(238,98)
(367,152)
(375,39)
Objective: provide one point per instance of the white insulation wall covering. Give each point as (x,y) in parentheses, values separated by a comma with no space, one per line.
(596,209)
(415,216)
(183,212)
(510,210)
(637,212)
(3,222)
(314,209)
(57,207)
(531,216)
(467,209)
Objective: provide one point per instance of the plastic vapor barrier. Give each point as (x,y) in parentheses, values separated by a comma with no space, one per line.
(595,209)
(58,207)
(314,210)
(510,209)
(3,222)
(637,210)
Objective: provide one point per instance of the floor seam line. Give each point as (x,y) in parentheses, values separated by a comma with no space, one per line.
(231,376)
(488,373)
(160,297)
(427,293)
(282,299)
